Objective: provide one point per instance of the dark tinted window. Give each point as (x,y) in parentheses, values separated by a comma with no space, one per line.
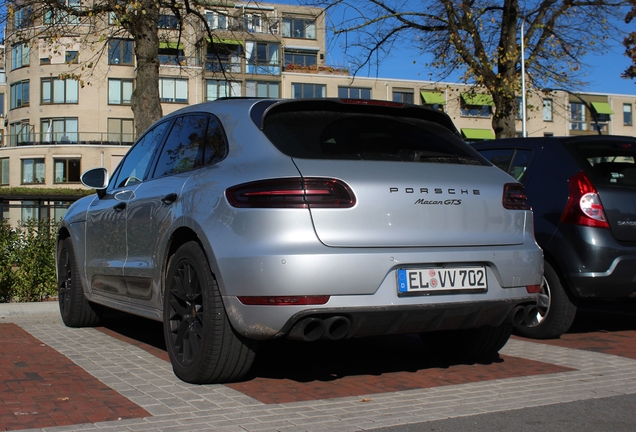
(513,161)
(135,165)
(611,162)
(183,145)
(349,135)
(215,147)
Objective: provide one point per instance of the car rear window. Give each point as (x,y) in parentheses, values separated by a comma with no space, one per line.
(366,136)
(612,163)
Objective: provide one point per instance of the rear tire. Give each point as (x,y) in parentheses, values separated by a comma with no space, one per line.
(75,309)
(556,312)
(476,344)
(202,345)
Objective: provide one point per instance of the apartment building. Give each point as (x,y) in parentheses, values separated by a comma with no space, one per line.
(60,119)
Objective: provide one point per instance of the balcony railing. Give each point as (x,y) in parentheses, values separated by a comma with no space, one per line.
(66,138)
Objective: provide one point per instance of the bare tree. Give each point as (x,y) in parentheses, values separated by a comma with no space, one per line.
(95,24)
(482,40)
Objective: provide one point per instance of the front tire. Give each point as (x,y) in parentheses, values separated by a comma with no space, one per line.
(556,312)
(75,309)
(202,345)
(478,344)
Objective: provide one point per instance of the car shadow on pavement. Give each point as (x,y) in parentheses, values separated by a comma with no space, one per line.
(304,361)
(605,316)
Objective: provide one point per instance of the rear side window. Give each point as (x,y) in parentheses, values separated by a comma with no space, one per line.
(610,163)
(356,136)
(513,161)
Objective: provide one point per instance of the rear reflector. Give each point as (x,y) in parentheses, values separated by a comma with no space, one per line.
(533,289)
(294,192)
(584,206)
(283,300)
(514,198)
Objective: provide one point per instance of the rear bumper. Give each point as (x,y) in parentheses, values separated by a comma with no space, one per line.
(593,262)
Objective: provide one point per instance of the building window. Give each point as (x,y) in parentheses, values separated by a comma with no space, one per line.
(354,93)
(547,110)
(173,90)
(304,90)
(627,114)
(29,210)
(216,20)
(120,52)
(20,55)
(2,105)
(253,23)
(219,88)
(71,57)
(61,17)
(223,57)
(59,91)
(60,130)
(262,89)
(404,96)
(168,22)
(33,171)
(121,131)
(262,58)
(20,132)
(300,58)
(119,91)
(66,170)
(301,28)
(4,171)
(20,94)
(476,105)
(519,108)
(171,54)
(577,116)
(23,17)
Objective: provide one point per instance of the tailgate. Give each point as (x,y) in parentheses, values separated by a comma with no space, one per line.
(416,204)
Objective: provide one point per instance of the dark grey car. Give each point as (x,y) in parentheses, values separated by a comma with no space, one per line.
(583,194)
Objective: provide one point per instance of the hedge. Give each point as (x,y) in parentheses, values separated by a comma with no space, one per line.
(27,261)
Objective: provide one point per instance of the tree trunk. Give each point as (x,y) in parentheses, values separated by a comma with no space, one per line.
(504,118)
(145,102)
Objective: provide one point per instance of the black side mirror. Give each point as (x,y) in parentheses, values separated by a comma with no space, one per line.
(96,178)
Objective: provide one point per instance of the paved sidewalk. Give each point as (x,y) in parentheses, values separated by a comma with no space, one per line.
(50,374)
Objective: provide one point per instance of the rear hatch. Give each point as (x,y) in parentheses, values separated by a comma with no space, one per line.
(610,162)
(415,182)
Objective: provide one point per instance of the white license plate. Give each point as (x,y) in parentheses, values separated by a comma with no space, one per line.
(442,279)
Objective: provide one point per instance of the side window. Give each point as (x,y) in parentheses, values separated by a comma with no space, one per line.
(134,166)
(513,161)
(215,146)
(499,157)
(520,164)
(181,151)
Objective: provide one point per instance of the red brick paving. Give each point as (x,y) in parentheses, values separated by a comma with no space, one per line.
(621,343)
(39,387)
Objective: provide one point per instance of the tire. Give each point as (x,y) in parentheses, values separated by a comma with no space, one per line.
(478,344)
(556,312)
(202,345)
(75,309)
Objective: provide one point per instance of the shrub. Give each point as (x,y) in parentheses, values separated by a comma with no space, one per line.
(27,261)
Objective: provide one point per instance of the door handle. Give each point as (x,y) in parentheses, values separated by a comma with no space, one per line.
(169,199)
(120,206)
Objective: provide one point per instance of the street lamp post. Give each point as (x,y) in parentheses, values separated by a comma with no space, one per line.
(524,131)
(587,105)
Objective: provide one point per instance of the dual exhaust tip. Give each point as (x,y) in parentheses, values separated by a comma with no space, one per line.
(311,329)
(525,315)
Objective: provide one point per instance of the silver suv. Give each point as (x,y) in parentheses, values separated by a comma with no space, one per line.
(243,220)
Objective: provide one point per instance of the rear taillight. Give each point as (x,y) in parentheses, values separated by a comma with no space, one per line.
(292,193)
(584,206)
(514,198)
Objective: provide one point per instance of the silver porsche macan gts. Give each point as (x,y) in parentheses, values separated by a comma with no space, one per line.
(242,220)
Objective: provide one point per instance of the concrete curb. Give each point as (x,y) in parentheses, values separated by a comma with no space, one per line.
(13,310)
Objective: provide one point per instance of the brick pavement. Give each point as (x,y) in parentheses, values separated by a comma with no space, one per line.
(300,387)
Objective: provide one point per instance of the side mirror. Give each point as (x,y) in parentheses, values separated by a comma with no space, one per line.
(96,178)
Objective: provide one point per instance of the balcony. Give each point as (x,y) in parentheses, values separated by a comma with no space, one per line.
(317,69)
(66,138)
